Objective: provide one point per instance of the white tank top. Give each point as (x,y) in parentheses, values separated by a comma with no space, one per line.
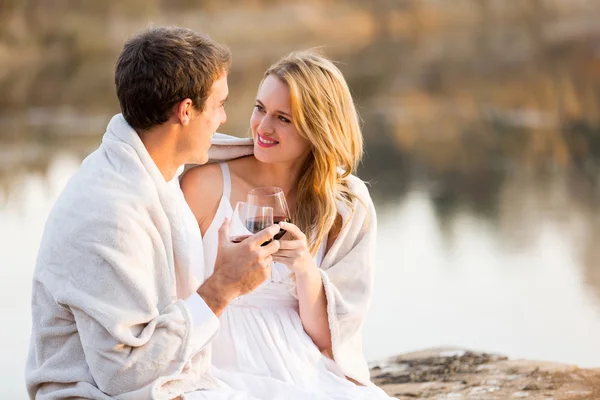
(211,236)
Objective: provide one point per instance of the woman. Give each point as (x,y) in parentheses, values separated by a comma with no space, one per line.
(302,336)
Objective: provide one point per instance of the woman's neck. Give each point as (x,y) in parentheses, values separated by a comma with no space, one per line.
(283,175)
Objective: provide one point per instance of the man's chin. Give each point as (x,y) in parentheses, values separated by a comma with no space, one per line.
(199,160)
(203,160)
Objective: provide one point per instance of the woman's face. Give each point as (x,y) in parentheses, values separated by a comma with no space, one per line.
(276,139)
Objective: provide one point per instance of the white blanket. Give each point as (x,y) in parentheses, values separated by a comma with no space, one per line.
(347,274)
(112,272)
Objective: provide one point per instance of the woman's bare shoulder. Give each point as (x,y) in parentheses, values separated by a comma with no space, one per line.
(202,187)
(243,171)
(201,178)
(241,166)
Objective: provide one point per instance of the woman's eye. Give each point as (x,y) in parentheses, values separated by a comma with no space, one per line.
(284,119)
(259,108)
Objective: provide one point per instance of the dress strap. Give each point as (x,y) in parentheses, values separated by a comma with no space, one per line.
(226,180)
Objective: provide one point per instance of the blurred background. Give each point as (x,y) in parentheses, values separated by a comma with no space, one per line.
(482,126)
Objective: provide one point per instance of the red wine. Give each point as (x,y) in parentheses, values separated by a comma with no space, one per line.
(278,219)
(257,224)
(239,238)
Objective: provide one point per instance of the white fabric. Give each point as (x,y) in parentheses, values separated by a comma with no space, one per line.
(226,180)
(113,275)
(226,147)
(204,321)
(262,349)
(347,274)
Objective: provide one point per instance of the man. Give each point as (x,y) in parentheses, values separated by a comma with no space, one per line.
(117,310)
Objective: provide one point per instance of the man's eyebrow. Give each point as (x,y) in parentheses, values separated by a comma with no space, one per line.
(277,111)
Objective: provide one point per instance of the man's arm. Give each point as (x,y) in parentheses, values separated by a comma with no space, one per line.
(114,279)
(132,337)
(214,295)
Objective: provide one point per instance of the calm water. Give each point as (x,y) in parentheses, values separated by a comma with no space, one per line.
(459,284)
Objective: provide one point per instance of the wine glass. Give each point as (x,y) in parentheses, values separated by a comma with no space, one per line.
(248,219)
(272,196)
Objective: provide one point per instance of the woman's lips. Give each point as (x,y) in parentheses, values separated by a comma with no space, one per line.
(265,142)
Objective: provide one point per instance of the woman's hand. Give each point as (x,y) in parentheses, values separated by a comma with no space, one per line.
(312,302)
(294,253)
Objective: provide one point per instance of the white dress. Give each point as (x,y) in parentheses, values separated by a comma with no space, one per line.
(261,350)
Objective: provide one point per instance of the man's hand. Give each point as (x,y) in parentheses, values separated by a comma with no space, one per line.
(239,268)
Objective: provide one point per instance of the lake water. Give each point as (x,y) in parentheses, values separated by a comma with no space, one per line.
(459,285)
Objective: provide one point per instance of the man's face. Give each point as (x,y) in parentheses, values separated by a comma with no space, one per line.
(203,124)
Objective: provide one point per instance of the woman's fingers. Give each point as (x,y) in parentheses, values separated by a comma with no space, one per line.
(272,247)
(293,230)
(278,259)
(287,253)
(290,244)
(289,261)
(291,252)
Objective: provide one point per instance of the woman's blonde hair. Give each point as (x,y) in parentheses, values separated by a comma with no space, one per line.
(324,113)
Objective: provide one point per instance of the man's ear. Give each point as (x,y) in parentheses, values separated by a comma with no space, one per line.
(183,111)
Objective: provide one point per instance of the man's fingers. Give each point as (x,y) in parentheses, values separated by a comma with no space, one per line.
(263,236)
(271,248)
(224,231)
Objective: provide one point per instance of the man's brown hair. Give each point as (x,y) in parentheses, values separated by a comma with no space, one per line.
(163,66)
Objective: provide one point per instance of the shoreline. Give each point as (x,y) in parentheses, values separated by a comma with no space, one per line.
(455,373)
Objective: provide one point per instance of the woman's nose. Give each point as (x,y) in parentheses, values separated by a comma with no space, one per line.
(265,127)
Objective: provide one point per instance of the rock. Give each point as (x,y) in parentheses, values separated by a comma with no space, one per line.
(449,373)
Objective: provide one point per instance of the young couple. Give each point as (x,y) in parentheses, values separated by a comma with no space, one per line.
(138,292)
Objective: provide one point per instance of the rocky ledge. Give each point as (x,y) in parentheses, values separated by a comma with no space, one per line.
(462,374)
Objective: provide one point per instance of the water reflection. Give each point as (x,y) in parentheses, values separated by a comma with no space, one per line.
(474,291)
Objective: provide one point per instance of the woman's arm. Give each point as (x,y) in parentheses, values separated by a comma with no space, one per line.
(309,286)
(313,308)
